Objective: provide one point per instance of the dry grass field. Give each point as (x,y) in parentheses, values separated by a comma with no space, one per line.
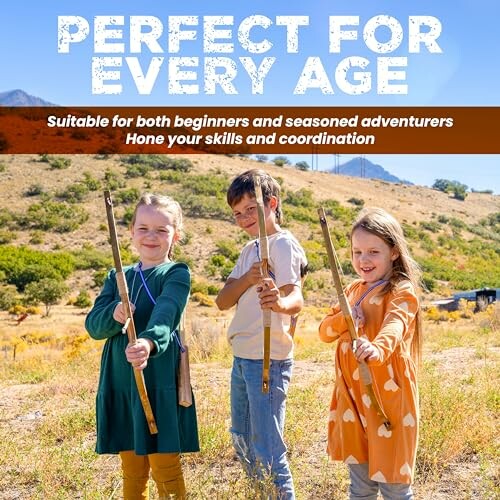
(47,392)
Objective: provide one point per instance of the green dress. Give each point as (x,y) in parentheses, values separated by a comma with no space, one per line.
(121,424)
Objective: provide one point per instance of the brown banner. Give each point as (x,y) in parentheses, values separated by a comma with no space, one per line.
(287,130)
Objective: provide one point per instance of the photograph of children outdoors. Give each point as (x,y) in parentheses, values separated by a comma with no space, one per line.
(249,251)
(419,271)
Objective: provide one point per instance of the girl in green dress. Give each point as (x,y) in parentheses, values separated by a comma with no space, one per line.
(158,292)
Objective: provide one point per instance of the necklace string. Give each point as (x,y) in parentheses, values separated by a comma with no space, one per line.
(153,301)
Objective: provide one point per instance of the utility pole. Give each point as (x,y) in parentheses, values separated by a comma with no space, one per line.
(362,160)
(314,158)
(336,163)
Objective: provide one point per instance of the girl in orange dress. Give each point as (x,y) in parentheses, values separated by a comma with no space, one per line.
(386,309)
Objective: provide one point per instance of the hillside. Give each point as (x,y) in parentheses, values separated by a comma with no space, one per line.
(433,220)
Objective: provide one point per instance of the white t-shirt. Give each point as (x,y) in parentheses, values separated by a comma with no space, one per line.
(246,333)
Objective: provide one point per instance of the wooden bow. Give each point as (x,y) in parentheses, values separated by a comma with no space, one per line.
(129,324)
(264,258)
(364,371)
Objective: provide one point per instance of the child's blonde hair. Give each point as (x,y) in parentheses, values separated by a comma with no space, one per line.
(167,204)
(380,223)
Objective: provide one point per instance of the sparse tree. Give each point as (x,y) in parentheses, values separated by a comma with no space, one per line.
(280,161)
(302,165)
(49,291)
(458,189)
(261,158)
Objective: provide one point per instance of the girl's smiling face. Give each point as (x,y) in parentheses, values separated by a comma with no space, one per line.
(372,257)
(153,233)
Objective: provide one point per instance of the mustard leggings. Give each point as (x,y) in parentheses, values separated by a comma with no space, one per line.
(166,471)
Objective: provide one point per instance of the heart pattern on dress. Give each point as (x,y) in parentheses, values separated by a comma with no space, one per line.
(363,421)
(408,420)
(405,470)
(376,299)
(344,347)
(351,460)
(366,400)
(333,416)
(348,416)
(379,477)
(404,306)
(330,332)
(355,374)
(390,385)
(383,432)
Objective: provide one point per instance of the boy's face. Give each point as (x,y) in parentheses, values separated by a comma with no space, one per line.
(245,215)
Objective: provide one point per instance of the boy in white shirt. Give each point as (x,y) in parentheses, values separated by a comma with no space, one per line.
(257,418)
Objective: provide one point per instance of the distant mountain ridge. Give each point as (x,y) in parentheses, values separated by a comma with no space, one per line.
(19,97)
(361,167)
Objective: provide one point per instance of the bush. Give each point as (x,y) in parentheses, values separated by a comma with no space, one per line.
(91,183)
(158,162)
(128,196)
(74,193)
(59,163)
(34,190)
(359,202)
(113,180)
(83,300)
(22,265)
(8,297)
(6,236)
(50,215)
(202,299)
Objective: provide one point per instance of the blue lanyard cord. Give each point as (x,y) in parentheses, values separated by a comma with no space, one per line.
(375,285)
(141,274)
(271,274)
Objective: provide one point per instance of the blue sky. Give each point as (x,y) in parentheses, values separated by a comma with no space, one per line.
(466,73)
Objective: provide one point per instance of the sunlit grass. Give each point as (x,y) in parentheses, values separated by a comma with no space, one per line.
(47,424)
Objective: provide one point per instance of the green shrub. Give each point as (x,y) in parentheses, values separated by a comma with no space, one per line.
(59,163)
(128,196)
(6,236)
(88,257)
(74,193)
(56,216)
(158,162)
(359,202)
(36,237)
(8,297)
(92,183)
(113,180)
(34,190)
(172,176)
(137,170)
(22,265)
(83,300)
(316,255)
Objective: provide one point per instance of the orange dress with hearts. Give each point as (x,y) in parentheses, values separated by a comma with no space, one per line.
(356,433)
